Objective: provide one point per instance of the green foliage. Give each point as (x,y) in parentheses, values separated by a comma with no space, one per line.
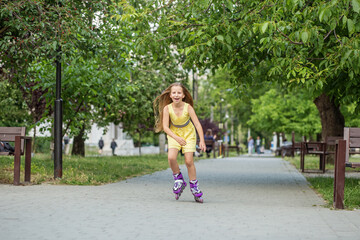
(96,63)
(14,111)
(352,118)
(37,28)
(312,44)
(95,56)
(149,138)
(42,144)
(280,112)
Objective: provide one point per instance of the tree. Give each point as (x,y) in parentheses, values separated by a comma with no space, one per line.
(14,111)
(283,113)
(33,33)
(312,44)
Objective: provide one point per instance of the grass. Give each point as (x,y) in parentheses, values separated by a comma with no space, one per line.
(86,170)
(324,185)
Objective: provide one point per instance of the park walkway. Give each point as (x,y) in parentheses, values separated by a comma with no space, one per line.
(245,198)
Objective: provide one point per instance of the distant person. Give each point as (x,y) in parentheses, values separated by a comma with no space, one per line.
(208,136)
(101,145)
(67,144)
(113,145)
(258,145)
(250,145)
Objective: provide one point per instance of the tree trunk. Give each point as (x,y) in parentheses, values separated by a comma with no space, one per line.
(79,144)
(332,120)
(140,143)
(34,140)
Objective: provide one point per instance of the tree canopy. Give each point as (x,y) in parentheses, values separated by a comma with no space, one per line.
(296,43)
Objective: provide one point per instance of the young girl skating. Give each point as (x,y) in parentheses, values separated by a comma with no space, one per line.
(173,112)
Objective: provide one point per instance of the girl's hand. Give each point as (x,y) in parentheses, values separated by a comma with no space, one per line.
(202,146)
(181,141)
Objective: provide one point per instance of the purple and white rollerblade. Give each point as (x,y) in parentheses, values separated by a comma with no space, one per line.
(194,187)
(179,185)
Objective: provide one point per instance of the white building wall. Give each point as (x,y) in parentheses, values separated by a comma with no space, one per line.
(125,145)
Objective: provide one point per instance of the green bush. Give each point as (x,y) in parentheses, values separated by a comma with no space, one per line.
(42,144)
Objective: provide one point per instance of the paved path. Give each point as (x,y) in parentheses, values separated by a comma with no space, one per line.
(245,198)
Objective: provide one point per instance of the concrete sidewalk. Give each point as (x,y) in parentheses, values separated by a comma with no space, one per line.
(245,198)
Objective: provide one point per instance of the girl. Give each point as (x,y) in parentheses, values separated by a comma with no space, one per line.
(173,110)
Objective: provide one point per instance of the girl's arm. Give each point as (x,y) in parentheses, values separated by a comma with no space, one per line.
(167,130)
(198,127)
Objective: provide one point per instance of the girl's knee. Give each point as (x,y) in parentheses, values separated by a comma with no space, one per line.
(189,162)
(172,159)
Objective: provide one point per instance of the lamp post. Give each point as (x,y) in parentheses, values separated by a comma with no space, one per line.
(221,126)
(58,120)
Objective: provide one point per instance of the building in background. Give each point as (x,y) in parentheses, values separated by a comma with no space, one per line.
(125,144)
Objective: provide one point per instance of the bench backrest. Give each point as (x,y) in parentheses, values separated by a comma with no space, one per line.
(313,145)
(7,134)
(209,142)
(296,145)
(331,140)
(331,143)
(352,137)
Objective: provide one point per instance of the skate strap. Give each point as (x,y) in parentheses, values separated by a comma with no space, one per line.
(181,126)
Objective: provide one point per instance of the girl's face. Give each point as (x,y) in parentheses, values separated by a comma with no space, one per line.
(176,94)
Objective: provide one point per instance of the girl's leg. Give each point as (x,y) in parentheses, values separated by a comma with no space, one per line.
(179,184)
(194,187)
(189,161)
(172,159)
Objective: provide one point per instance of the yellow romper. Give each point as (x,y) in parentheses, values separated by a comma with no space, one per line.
(186,132)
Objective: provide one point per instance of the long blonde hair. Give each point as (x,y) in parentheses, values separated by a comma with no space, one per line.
(164,99)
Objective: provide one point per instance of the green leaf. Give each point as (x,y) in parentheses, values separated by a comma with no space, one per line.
(356,5)
(229,5)
(264,26)
(228,39)
(263,40)
(325,14)
(321,15)
(351,26)
(255,28)
(344,20)
(220,37)
(304,36)
(201,57)
(346,55)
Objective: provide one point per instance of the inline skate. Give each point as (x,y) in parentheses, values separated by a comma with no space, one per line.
(179,185)
(194,187)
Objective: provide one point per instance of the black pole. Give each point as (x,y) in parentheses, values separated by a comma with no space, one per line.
(58,120)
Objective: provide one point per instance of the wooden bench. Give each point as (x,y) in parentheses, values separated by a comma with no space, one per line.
(22,142)
(209,143)
(322,149)
(344,148)
(290,150)
(228,147)
(296,146)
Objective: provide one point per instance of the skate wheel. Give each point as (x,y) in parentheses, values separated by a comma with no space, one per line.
(199,200)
